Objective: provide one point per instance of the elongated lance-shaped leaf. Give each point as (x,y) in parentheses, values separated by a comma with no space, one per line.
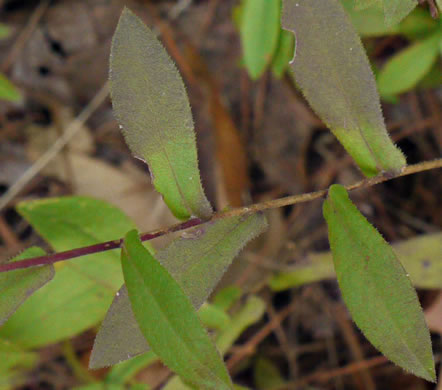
(376,288)
(16,286)
(151,105)
(259,32)
(404,70)
(333,71)
(196,261)
(168,319)
(248,314)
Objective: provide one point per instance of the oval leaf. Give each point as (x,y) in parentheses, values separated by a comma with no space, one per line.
(82,289)
(376,288)
(168,319)
(16,286)
(333,71)
(196,261)
(151,104)
(259,32)
(404,70)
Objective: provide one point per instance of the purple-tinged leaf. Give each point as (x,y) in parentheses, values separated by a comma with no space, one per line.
(16,286)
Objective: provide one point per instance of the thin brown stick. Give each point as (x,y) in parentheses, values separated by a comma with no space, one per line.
(325,376)
(61,142)
(237,212)
(250,347)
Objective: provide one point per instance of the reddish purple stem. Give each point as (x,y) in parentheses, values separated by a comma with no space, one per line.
(96,248)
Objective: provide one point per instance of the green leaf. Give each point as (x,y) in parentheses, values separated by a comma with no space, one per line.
(8,91)
(333,71)
(125,371)
(376,288)
(284,53)
(82,289)
(368,22)
(213,317)
(259,33)
(432,79)
(249,314)
(363,4)
(418,25)
(226,298)
(404,70)
(197,261)
(267,376)
(168,319)
(419,255)
(16,286)
(151,104)
(4,31)
(13,361)
(396,10)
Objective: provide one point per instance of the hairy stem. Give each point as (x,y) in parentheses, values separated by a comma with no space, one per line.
(257,207)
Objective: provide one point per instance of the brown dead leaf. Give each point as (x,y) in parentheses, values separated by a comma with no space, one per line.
(126,188)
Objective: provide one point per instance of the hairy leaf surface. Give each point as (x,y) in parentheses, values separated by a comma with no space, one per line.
(168,319)
(16,286)
(82,289)
(396,10)
(151,104)
(196,261)
(376,288)
(259,32)
(333,71)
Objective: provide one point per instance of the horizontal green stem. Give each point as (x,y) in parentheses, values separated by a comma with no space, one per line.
(257,207)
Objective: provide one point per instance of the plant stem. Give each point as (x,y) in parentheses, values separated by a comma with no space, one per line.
(241,211)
